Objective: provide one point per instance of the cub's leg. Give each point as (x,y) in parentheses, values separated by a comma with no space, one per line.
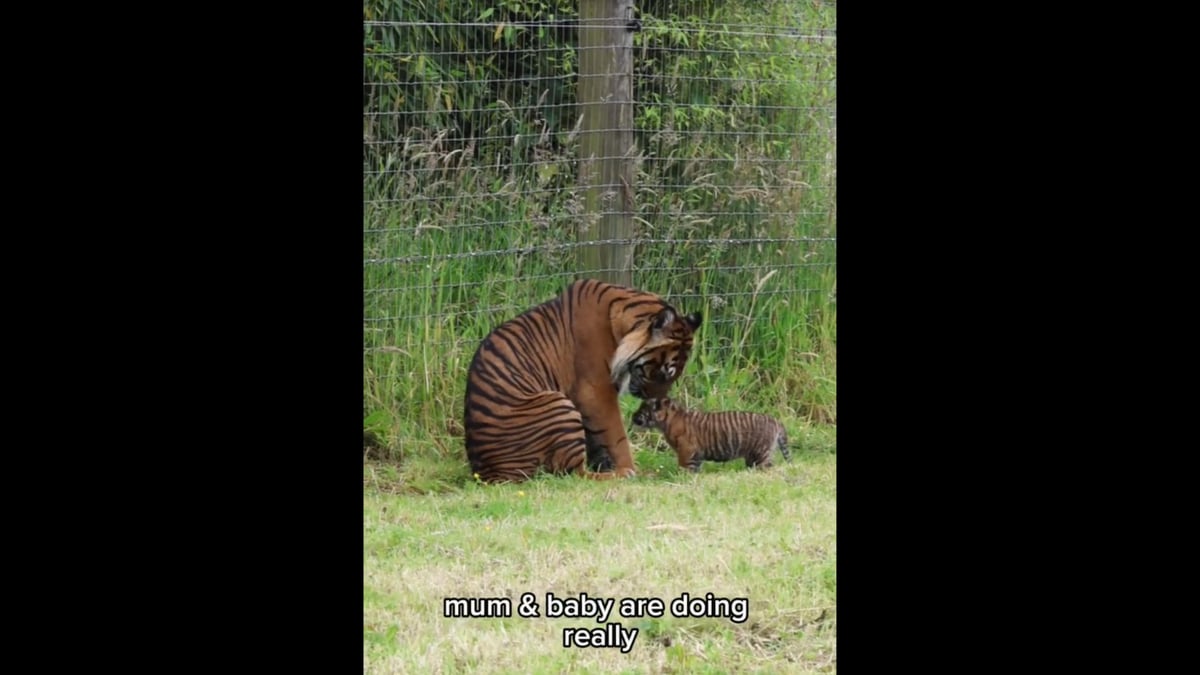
(760,457)
(758,461)
(687,451)
(688,459)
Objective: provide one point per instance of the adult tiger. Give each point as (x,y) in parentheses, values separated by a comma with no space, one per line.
(542,388)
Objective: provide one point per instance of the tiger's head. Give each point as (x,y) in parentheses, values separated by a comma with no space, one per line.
(651,356)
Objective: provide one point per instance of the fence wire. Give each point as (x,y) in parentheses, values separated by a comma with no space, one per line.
(473,209)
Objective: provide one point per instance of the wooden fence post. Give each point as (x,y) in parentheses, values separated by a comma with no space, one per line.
(606,138)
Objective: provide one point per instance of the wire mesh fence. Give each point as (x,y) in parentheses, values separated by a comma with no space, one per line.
(476,188)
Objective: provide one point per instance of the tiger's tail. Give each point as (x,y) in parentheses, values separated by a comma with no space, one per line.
(781,442)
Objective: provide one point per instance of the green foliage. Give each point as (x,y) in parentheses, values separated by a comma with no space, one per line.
(471,205)
(461,68)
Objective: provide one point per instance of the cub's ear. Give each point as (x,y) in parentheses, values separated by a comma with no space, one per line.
(694,320)
(665,318)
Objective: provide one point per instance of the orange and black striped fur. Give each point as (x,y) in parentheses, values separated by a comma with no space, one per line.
(542,389)
(714,436)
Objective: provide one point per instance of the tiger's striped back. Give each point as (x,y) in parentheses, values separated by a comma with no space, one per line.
(698,436)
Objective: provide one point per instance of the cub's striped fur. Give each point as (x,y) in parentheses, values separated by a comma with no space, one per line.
(542,388)
(715,436)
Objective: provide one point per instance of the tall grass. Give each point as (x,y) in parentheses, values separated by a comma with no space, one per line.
(471,209)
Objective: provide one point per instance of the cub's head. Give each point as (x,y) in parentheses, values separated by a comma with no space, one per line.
(654,413)
(651,414)
(654,353)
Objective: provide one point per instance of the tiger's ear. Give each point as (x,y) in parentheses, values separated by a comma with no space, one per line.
(694,320)
(663,319)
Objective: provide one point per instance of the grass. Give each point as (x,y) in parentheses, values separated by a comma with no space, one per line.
(767,536)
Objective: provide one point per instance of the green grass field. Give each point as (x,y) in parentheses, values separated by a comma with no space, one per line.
(431,532)
(768,536)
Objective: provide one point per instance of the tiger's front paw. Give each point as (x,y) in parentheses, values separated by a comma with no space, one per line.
(626,472)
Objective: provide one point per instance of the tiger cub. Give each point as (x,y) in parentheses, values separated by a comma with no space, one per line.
(714,436)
